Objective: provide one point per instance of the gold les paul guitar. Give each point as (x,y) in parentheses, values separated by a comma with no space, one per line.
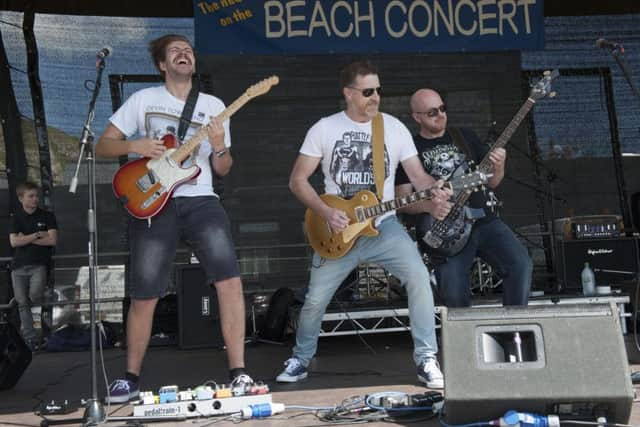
(362,209)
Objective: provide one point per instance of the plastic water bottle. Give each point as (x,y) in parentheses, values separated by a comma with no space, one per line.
(588,280)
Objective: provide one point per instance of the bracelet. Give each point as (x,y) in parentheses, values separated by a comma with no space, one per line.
(221,152)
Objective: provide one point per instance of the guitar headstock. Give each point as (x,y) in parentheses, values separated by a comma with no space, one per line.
(262,87)
(543,87)
(469,182)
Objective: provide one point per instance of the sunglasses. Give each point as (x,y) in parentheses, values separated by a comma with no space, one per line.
(368,91)
(433,112)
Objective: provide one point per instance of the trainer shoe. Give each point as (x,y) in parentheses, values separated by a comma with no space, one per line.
(429,373)
(122,391)
(293,371)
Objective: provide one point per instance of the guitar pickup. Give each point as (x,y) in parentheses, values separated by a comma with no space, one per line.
(432,240)
(359,214)
(146,181)
(155,196)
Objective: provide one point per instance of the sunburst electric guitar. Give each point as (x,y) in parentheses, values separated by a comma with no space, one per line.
(144,186)
(362,209)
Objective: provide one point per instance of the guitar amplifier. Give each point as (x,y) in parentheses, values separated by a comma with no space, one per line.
(618,255)
(198,314)
(588,227)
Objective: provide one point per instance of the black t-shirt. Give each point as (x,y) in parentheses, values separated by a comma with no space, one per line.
(441,157)
(22,222)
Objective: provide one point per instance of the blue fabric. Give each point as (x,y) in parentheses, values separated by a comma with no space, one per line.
(392,250)
(493,241)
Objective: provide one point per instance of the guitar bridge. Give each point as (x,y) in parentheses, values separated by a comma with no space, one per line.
(146,181)
(155,196)
(432,240)
(359,214)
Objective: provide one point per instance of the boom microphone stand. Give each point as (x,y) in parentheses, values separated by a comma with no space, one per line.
(94,411)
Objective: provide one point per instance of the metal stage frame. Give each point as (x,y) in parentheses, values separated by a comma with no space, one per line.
(385,319)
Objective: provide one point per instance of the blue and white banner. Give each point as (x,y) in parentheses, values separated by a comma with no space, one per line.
(366,26)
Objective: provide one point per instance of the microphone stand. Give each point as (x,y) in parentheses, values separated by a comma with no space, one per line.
(94,411)
(618,55)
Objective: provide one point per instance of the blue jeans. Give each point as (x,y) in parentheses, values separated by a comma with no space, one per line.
(496,244)
(28,287)
(392,250)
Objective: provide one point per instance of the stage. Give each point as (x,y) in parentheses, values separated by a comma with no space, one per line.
(345,366)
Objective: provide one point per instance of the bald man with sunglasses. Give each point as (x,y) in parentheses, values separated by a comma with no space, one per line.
(444,151)
(341,145)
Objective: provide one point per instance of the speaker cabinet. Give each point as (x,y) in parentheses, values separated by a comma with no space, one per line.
(198,315)
(567,360)
(15,356)
(620,254)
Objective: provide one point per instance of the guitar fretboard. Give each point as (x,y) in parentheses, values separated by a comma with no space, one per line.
(485,165)
(400,202)
(185,150)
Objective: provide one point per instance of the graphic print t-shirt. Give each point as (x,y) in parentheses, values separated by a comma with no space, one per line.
(441,157)
(154,113)
(347,161)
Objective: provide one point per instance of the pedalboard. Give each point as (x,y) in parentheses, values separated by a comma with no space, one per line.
(202,401)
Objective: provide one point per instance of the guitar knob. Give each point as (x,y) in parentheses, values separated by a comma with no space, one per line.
(546,73)
(553,94)
(322,244)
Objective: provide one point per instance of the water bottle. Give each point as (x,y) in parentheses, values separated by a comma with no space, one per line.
(588,280)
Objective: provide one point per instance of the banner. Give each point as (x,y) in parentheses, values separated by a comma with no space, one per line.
(366,26)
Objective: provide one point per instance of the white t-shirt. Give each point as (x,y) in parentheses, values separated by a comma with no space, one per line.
(345,148)
(154,112)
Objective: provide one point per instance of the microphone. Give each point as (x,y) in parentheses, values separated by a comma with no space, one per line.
(606,44)
(104,52)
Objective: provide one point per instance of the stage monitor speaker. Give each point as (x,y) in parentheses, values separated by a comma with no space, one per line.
(15,356)
(567,360)
(198,314)
(619,254)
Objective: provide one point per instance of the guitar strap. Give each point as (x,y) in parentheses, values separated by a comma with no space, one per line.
(377,136)
(461,143)
(187,111)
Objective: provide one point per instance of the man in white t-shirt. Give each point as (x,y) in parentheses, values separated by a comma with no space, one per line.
(193,214)
(341,145)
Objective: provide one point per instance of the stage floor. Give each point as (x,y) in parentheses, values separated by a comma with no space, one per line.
(345,366)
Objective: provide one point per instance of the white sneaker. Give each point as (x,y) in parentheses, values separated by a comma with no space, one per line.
(293,371)
(429,373)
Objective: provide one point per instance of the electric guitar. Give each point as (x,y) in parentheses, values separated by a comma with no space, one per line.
(144,186)
(362,209)
(450,235)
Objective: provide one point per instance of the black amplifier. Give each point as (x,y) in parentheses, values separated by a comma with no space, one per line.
(618,254)
(588,227)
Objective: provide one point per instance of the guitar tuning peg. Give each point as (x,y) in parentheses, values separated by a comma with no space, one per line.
(546,73)
(552,94)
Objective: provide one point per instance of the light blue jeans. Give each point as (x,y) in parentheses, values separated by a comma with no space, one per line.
(392,250)
(28,288)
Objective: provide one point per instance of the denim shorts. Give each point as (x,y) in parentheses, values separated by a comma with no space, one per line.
(202,223)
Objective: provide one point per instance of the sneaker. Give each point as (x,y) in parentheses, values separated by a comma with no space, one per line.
(429,373)
(293,371)
(241,385)
(122,391)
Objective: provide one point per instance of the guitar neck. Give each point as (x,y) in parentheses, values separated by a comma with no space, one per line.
(400,202)
(185,150)
(485,164)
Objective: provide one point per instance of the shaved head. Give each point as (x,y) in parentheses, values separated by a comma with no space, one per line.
(428,110)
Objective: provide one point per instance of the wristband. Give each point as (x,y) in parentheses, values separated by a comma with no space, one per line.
(221,152)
